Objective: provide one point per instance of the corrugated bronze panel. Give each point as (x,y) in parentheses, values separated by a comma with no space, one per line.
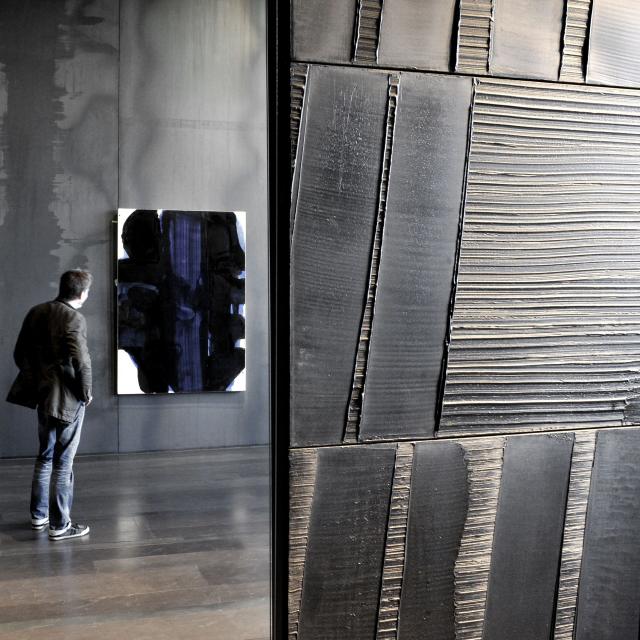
(526,38)
(302,479)
(614,43)
(474,36)
(573,538)
(394,551)
(417,34)
(471,572)
(576,27)
(544,332)
(367,34)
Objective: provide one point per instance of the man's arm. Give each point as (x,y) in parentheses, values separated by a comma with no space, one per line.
(76,338)
(21,350)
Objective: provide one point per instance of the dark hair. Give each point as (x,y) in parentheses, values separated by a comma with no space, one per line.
(73,283)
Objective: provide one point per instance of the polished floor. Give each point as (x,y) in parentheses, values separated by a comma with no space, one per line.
(179,548)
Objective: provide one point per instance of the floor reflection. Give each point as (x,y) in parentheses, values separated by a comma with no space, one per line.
(179,547)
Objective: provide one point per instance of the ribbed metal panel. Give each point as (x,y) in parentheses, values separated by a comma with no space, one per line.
(576,26)
(367,32)
(303,469)
(354,410)
(545,331)
(394,551)
(573,539)
(299,73)
(474,36)
(484,459)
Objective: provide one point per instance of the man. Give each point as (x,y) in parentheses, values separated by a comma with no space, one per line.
(55,376)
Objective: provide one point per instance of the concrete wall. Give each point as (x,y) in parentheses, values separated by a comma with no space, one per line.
(152,104)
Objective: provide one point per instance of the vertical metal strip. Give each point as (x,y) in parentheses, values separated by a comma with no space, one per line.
(576,25)
(474,36)
(359,376)
(298,96)
(302,480)
(484,459)
(367,31)
(454,281)
(395,546)
(573,538)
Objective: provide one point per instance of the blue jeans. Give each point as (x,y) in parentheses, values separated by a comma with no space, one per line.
(52,486)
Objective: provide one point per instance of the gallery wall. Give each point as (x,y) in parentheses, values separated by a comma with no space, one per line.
(465,226)
(145,104)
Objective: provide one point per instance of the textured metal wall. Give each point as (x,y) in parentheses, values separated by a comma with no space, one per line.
(464,264)
(59,178)
(163,106)
(193,136)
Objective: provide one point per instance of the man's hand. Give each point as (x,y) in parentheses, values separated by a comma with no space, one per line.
(89,401)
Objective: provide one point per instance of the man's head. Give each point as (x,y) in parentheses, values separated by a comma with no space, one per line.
(74,285)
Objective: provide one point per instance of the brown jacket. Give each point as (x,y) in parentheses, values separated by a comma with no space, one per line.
(52,355)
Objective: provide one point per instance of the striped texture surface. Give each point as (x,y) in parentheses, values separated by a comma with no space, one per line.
(576,26)
(614,55)
(484,459)
(367,31)
(545,332)
(299,74)
(303,469)
(354,410)
(573,538)
(394,551)
(474,36)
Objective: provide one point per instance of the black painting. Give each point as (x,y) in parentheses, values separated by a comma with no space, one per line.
(181,301)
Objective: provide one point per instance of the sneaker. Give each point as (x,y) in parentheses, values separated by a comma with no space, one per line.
(38,524)
(70,531)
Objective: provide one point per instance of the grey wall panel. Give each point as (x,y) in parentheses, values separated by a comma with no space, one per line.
(437,514)
(193,136)
(417,33)
(526,39)
(609,593)
(346,543)
(58,185)
(322,30)
(334,224)
(528,536)
(417,257)
(614,39)
(543,333)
